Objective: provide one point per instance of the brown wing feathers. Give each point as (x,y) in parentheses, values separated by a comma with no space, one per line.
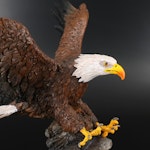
(26,73)
(71,41)
(22,63)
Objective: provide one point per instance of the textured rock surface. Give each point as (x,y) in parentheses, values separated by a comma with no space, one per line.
(60,140)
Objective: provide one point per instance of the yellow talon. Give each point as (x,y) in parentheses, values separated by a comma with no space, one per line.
(100,129)
(96,131)
(110,128)
(87,137)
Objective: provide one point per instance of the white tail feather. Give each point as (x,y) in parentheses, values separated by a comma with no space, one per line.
(6,110)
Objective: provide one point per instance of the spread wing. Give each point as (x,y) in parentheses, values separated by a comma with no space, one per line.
(23,66)
(75,24)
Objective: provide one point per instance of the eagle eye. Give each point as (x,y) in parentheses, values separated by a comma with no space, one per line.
(105,63)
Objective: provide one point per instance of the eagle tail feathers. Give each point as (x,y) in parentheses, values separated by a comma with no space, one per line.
(7,110)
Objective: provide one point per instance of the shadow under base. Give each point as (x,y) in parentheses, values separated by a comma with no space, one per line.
(57,139)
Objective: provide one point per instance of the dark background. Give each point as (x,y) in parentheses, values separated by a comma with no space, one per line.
(120,28)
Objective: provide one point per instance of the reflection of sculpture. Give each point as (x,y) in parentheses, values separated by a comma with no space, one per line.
(33,83)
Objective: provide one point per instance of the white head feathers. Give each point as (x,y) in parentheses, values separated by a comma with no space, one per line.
(89,66)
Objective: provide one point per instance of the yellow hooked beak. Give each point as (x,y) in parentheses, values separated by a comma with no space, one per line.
(118,70)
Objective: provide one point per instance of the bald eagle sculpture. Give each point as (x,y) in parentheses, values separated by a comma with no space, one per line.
(35,84)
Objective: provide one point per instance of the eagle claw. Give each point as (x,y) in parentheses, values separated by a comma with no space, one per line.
(101,129)
(87,137)
(111,127)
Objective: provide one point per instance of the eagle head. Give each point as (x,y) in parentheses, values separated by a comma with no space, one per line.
(89,66)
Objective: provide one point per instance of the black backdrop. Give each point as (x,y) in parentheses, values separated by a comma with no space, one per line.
(117,28)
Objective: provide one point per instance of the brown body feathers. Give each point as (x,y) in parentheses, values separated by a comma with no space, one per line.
(39,85)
